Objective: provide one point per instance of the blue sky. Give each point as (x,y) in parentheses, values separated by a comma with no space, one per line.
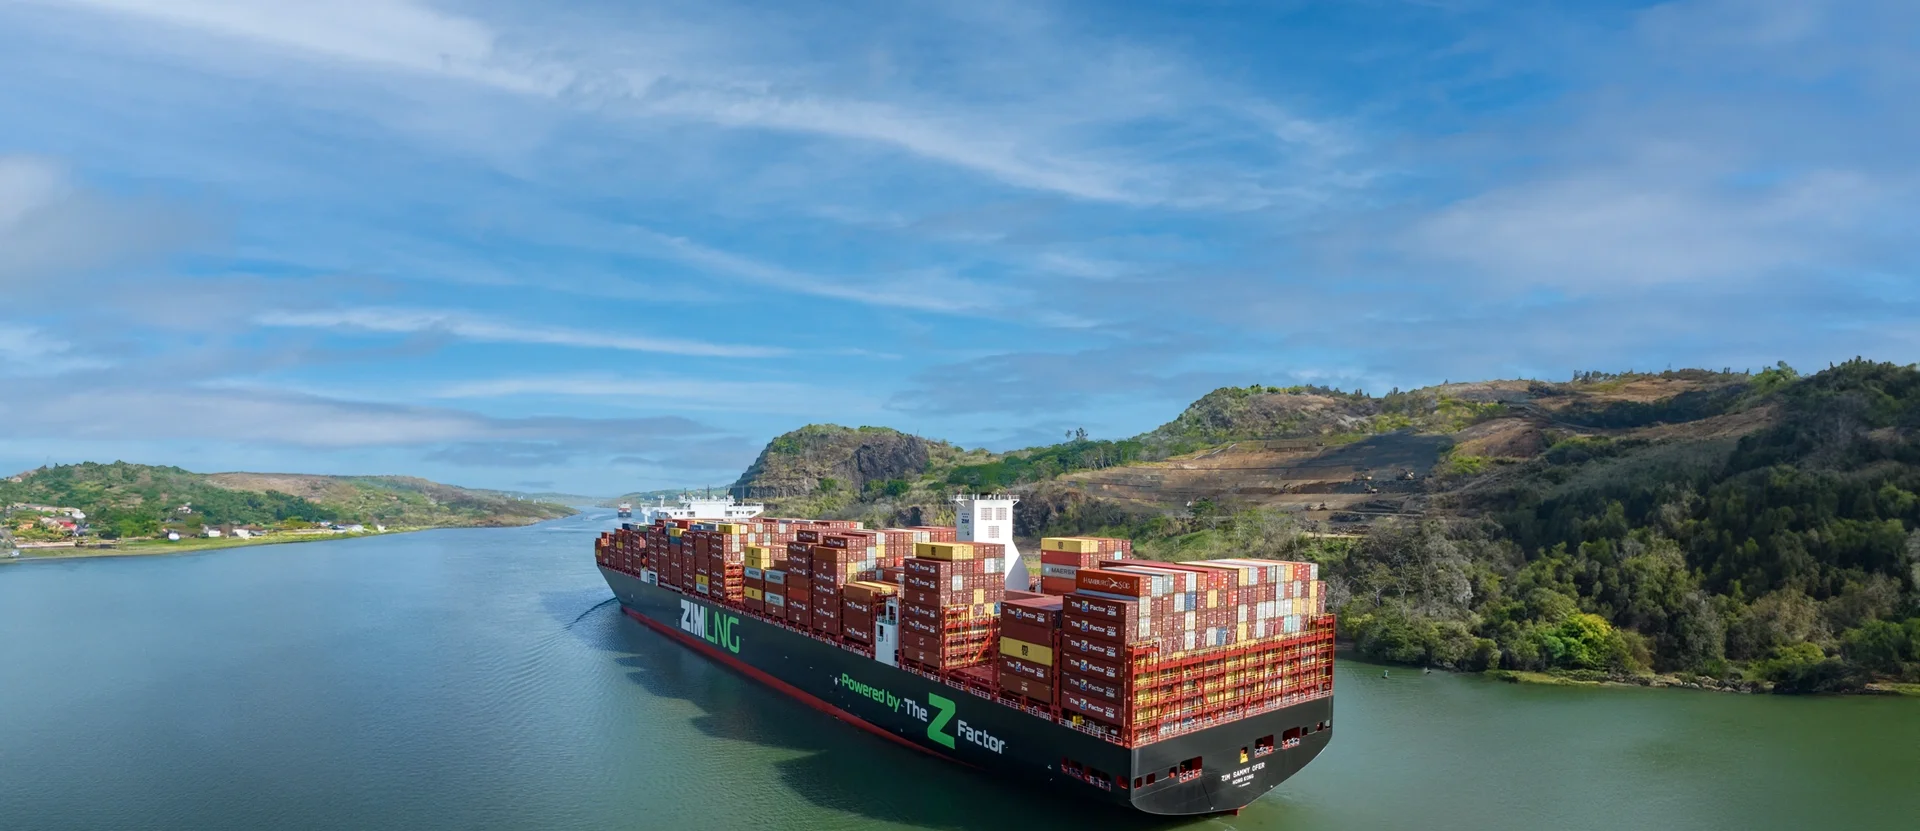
(600,246)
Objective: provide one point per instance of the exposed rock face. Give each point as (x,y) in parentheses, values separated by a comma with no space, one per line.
(819,456)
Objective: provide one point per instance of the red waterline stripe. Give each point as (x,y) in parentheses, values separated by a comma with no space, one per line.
(750,671)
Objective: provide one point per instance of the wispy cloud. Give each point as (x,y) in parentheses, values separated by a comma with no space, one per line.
(1053,139)
(479,328)
(673,393)
(927,291)
(27,351)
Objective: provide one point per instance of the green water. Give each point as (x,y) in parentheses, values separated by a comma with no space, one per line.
(470,679)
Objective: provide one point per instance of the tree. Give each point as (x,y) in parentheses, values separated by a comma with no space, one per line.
(1878,645)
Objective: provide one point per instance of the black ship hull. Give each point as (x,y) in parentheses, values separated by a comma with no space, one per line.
(977,731)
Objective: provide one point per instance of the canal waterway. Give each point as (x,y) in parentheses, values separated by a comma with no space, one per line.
(464,679)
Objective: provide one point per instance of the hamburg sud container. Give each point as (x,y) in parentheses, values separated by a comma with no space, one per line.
(1171,688)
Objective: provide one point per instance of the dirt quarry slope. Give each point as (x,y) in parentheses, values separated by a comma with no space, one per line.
(1376,476)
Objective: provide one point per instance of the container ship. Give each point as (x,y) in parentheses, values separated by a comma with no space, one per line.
(1170,688)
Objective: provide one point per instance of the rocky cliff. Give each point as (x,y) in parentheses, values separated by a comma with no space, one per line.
(827,459)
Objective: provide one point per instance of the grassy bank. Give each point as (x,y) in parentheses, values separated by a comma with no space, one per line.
(137,548)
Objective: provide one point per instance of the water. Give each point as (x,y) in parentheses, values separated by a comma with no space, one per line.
(471,679)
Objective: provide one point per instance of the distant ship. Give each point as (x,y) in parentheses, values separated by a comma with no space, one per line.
(721,509)
(626,510)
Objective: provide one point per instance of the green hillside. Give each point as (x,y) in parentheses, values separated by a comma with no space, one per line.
(1720,527)
(130,500)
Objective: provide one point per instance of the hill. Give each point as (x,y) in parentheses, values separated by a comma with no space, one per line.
(823,469)
(130,500)
(1724,528)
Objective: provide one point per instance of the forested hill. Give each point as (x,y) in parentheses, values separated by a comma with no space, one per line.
(1734,526)
(1762,530)
(130,500)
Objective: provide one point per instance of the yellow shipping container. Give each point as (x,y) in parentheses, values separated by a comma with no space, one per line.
(948,551)
(674,531)
(1243,630)
(730,528)
(754,594)
(1073,545)
(700,580)
(1026,651)
(979,596)
(1213,598)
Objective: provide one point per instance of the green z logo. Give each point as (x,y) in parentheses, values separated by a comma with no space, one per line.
(934,728)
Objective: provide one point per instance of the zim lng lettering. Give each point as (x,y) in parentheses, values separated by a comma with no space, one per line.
(1169,688)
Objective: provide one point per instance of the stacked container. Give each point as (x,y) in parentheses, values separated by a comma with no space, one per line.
(896,544)
(1152,649)
(1030,649)
(862,603)
(1062,557)
(799,580)
(950,604)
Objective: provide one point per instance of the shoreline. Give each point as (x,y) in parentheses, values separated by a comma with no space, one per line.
(147,548)
(1895,689)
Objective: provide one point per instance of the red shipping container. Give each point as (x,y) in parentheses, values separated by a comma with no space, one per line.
(1112,582)
(1057,585)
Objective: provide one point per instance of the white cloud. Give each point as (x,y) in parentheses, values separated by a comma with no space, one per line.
(474,327)
(53,411)
(399,34)
(1639,227)
(50,226)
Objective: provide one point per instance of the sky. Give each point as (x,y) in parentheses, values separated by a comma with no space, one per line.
(597,246)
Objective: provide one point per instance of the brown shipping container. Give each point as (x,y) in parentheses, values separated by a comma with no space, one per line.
(1038,611)
(921,626)
(809,536)
(858,631)
(1026,631)
(914,611)
(872,592)
(1093,647)
(1028,687)
(850,605)
(1010,665)
(1093,667)
(1113,691)
(1093,707)
(918,640)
